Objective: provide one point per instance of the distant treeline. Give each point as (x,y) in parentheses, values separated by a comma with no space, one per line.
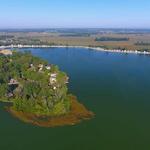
(75,35)
(4,37)
(23,41)
(141,43)
(111,39)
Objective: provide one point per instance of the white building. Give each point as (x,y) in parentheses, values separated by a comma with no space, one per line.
(53,79)
(48,67)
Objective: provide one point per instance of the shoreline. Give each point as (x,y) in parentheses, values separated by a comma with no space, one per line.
(77,114)
(86,47)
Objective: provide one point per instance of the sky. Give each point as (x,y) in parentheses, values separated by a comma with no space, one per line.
(74,13)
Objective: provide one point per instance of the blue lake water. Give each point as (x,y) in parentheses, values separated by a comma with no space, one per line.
(116,87)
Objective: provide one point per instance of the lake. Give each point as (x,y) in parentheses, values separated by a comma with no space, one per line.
(116,87)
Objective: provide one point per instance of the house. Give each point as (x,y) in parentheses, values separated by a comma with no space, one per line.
(6,52)
(53,75)
(13,82)
(48,67)
(40,67)
(52,79)
(67,80)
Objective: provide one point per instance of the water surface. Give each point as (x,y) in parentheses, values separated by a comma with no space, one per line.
(116,87)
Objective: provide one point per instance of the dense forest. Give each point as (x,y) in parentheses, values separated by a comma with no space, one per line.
(33,85)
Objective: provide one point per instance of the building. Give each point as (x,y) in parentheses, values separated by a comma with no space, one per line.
(48,67)
(52,79)
(40,67)
(53,75)
(13,82)
(67,80)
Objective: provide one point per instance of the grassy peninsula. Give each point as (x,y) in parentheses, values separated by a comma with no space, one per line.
(37,89)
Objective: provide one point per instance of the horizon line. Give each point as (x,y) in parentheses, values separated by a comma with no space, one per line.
(28,28)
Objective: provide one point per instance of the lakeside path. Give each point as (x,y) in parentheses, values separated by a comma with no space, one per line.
(86,47)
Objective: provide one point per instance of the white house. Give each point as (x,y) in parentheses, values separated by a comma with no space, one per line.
(48,67)
(53,79)
(54,75)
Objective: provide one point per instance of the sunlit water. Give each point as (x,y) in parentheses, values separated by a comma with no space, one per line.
(116,87)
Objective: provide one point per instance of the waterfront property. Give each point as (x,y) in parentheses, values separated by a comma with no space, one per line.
(39,92)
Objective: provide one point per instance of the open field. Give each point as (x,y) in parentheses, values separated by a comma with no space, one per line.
(80,37)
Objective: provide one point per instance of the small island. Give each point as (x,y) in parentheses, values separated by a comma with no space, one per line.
(37,91)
